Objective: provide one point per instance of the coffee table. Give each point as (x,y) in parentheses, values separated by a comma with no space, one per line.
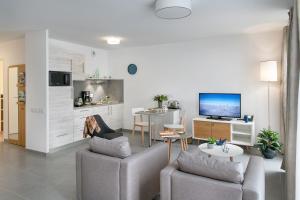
(234,150)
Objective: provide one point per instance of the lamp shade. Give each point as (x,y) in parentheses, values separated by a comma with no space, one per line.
(173,9)
(268,71)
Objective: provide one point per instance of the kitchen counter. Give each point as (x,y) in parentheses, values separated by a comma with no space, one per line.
(97,105)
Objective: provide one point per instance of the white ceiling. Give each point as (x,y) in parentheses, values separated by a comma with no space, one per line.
(88,21)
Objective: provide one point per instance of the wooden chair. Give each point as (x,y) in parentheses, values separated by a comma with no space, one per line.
(175,128)
(180,126)
(138,122)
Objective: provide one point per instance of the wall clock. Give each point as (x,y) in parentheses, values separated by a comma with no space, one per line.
(132,69)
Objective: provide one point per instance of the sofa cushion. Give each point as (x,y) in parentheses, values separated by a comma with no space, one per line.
(200,164)
(118,147)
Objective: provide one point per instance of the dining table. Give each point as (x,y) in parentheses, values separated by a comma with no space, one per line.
(151,113)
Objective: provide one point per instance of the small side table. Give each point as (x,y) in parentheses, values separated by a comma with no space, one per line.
(169,136)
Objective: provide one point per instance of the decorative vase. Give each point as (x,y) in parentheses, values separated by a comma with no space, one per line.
(210,146)
(269,153)
(159,104)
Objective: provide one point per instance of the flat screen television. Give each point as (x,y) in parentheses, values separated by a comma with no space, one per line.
(219,105)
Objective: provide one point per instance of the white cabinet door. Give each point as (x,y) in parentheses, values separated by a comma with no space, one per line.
(59,60)
(116,116)
(112,116)
(60,116)
(78,67)
(58,63)
(79,118)
(103,111)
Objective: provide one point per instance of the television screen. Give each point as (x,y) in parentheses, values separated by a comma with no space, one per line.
(221,105)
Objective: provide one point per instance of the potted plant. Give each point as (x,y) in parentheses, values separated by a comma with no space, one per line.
(211,141)
(160,98)
(268,143)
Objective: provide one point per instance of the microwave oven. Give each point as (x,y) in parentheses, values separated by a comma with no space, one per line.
(57,78)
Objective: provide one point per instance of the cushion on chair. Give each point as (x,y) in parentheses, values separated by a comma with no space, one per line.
(174,126)
(142,124)
(200,164)
(118,147)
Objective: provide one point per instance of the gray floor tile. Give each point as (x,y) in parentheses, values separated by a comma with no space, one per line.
(25,175)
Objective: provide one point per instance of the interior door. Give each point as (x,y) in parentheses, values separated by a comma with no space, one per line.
(16,104)
(13,115)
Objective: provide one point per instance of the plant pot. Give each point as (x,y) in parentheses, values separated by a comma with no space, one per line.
(159,104)
(210,146)
(269,153)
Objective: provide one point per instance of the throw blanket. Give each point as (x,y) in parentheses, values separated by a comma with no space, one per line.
(90,126)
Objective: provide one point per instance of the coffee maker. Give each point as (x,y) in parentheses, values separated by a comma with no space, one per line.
(86,97)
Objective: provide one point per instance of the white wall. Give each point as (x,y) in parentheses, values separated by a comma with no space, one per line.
(99,61)
(37,125)
(12,53)
(214,64)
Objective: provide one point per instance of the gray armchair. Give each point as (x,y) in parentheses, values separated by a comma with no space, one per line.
(137,177)
(177,185)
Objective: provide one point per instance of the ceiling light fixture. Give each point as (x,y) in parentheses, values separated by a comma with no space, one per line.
(173,9)
(113,40)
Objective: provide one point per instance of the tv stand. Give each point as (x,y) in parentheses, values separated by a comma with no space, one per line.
(235,131)
(219,118)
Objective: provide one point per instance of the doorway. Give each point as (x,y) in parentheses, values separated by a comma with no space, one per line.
(16,104)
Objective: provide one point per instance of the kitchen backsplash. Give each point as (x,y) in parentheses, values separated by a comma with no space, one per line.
(101,88)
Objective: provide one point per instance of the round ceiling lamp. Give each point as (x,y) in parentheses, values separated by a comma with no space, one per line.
(173,9)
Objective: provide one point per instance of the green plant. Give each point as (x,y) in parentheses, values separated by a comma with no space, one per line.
(268,139)
(211,140)
(160,98)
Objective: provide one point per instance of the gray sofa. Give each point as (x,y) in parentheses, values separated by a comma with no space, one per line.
(178,185)
(137,177)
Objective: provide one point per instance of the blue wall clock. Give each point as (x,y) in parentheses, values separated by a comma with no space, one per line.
(132,69)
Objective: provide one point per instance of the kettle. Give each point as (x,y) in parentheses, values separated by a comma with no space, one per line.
(78,102)
(173,104)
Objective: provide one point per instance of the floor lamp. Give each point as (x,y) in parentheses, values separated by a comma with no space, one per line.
(268,73)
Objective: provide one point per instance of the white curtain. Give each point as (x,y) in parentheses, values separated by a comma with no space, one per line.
(283,85)
(291,113)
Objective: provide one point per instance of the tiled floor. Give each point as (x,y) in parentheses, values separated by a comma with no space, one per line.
(25,175)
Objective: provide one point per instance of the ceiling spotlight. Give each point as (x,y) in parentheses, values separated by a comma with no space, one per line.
(173,9)
(113,40)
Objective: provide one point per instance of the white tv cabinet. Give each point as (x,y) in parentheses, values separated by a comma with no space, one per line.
(235,131)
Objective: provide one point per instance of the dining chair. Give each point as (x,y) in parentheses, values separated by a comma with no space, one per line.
(177,126)
(138,122)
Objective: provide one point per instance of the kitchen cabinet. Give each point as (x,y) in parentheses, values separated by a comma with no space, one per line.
(115,116)
(60,63)
(60,116)
(111,114)
(84,62)
(78,67)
